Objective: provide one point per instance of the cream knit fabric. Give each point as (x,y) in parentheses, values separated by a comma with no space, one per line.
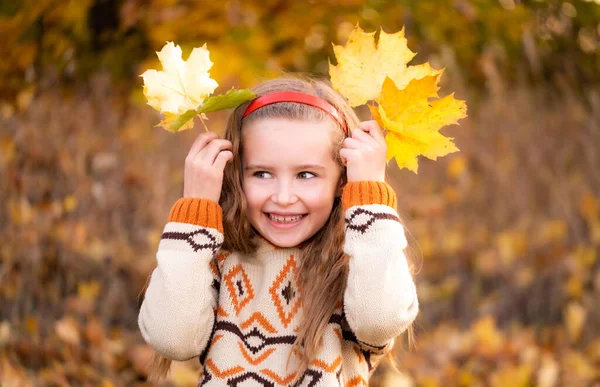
(240,313)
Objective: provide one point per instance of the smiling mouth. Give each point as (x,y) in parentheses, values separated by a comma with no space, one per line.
(286,218)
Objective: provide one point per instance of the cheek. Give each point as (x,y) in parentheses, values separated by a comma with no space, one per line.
(255,195)
(319,199)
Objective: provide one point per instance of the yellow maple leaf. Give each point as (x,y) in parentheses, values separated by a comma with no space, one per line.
(363,65)
(413,116)
(182,85)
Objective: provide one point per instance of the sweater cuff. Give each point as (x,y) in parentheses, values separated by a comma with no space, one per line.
(201,212)
(368,192)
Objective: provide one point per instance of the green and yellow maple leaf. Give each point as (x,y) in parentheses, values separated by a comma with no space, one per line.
(182,89)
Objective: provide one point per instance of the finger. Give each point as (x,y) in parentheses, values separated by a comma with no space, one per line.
(222,159)
(361,135)
(373,128)
(201,141)
(211,151)
(347,154)
(352,143)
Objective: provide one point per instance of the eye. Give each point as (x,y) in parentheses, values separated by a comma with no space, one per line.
(306,175)
(262,174)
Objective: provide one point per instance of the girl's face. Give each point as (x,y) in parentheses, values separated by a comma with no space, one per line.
(290,177)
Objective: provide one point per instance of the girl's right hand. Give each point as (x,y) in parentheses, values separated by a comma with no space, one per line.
(204,165)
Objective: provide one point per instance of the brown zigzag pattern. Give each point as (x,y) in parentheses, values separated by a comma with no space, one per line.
(189,238)
(373,216)
(315,376)
(250,375)
(264,340)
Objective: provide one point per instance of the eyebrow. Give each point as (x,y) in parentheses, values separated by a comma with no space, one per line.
(304,166)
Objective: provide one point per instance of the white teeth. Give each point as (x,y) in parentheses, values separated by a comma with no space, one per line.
(285,219)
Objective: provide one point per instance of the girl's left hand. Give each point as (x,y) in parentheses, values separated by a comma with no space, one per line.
(364,152)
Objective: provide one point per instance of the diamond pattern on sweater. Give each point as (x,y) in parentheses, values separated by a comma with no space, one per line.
(255,340)
(285,293)
(256,299)
(198,240)
(361,219)
(239,288)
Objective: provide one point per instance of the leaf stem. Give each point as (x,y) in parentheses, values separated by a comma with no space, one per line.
(203,123)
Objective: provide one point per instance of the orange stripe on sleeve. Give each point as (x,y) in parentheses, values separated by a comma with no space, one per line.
(201,212)
(368,192)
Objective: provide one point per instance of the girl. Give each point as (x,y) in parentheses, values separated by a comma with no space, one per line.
(283,263)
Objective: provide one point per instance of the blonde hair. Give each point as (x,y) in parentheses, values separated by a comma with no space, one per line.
(323,268)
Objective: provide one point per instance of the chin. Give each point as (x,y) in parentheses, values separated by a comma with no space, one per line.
(285,242)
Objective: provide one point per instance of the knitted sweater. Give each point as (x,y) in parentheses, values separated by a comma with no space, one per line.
(241,313)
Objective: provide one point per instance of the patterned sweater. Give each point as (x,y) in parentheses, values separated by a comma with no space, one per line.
(241,313)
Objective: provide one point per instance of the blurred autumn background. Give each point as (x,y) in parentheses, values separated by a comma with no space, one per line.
(504,235)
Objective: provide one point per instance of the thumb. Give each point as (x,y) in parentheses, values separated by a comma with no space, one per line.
(222,158)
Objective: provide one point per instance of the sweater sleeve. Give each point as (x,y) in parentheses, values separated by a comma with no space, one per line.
(177,315)
(380,299)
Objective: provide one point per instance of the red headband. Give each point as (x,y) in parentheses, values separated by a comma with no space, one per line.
(295,96)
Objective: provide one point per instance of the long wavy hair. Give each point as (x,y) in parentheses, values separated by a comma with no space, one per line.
(323,267)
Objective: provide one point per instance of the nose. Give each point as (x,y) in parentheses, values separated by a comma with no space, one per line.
(284,194)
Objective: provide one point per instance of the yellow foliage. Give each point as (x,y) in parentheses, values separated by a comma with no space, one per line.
(31,325)
(363,65)
(575,316)
(409,108)
(578,369)
(457,166)
(574,286)
(21,212)
(588,206)
(88,291)
(489,341)
(554,230)
(586,255)
(515,376)
(412,120)
(511,244)
(70,203)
